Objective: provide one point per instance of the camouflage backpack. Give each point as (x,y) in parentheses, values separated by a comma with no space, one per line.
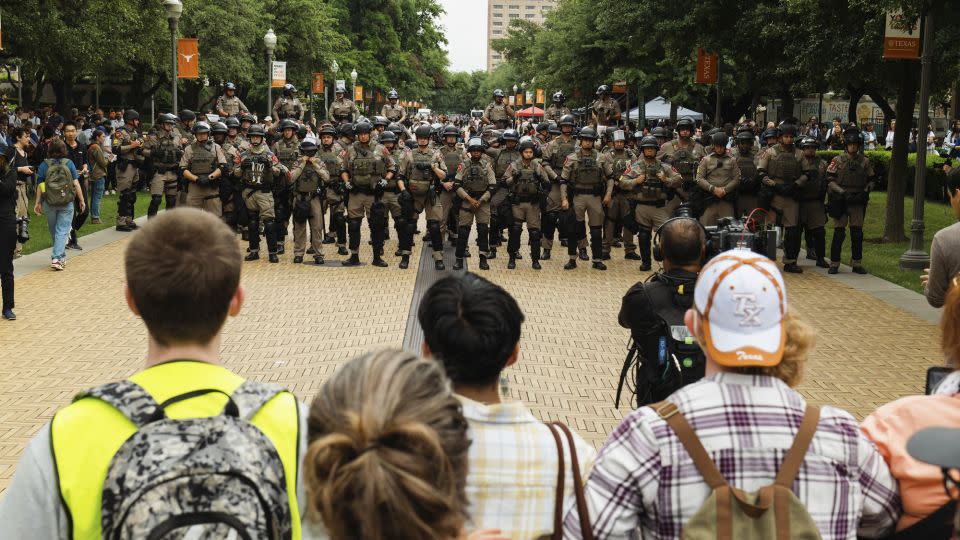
(58,189)
(198,478)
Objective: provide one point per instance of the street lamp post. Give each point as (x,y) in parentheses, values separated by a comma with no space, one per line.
(174,9)
(334,68)
(916,257)
(270,42)
(353,78)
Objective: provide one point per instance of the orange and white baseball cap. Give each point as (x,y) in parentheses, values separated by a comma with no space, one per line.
(743,301)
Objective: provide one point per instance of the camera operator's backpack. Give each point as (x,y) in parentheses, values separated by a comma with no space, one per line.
(771,513)
(58,189)
(209,477)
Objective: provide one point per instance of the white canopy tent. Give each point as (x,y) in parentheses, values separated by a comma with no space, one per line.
(659,109)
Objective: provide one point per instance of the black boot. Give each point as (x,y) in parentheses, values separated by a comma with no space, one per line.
(252,256)
(297,259)
(598,265)
(342,250)
(483,263)
(792,268)
(404,262)
(583,254)
(318,259)
(270,233)
(571,264)
(546,254)
(512,263)
(438,265)
(596,245)
(856,250)
(354,260)
(458,264)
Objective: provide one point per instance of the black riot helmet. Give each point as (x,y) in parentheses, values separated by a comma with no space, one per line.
(719,138)
(475,145)
(256,130)
(554,128)
(327,129)
(851,135)
(649,142)
(288,123)
(167,118)
(201,127)
(510,135)
(744,135)
(686,123)
(451,131)
(362,127)
(395,128)
(387,136)
(771,133)
(498,93)
(232,122)
(788,129)
(187,115)
(423,131)
(230,86)
(566,120)
(130,115)
(808,142)
(308,147)
(659,133)
(527,143)
(346,129)
(603,89)
(289,89)
(218,128)
(558,97)
(588,133)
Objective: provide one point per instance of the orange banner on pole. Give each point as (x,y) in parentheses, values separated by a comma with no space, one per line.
(541,98)
(901,37)
(519,99)
(188,58)
(358,93)
(620,87)
(706,67)
(317,86)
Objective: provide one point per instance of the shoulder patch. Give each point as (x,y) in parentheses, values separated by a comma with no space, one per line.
(832,168)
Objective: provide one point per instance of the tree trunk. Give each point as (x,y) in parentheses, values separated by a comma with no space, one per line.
(673,112)
(881,102)
(786,105)
(855,95)
(893,230)
(954,101)
(60,89)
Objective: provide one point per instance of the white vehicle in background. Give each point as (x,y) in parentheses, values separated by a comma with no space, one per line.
(424,113)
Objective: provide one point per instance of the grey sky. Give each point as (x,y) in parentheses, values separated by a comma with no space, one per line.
(465,25)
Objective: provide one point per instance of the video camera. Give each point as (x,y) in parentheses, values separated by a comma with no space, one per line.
(759,236)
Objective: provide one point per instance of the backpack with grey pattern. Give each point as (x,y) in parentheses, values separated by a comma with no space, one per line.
(197,478)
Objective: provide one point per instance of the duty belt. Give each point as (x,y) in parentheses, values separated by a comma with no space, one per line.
(526,198)
(588,191)
(163,170)
(657,204)
(476,194)
(364,189)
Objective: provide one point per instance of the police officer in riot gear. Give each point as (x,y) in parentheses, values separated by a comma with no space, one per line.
(718,177)
(851,179)
(392,110)
(528,183)
(126,144)
(781,171)
(557,109)
(604,111)
(288,105)
(613,163)
(342,109)
(453,154)
(287,150)
(202,167)
(367,170)
(746,156)
(585,190)
(500,212)
(813,213)
(554,156)
(165,151)
(650,185)
(684,154)
(475,181)
(229,104)
(219,132)
(335,200)
(309,178)
(258,169)
(498,112)
(419,175)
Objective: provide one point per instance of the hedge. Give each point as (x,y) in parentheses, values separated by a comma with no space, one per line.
(935,180)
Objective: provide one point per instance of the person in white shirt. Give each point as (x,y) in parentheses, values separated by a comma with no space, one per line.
(888,144)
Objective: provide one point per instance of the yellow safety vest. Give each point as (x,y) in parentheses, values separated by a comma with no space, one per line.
(86,435)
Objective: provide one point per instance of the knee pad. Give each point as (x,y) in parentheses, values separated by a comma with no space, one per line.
(433,226)
(483,228)
(840,233)
(156,200)
(516,228)
(580,230)
(535,236)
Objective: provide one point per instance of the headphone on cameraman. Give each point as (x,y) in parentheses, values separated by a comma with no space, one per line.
(658,255)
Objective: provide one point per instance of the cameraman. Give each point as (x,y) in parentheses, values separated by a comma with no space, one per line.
(652,309)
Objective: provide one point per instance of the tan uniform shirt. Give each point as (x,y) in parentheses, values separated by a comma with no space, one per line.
(393,113)
(498,113)
(606,111)
(718,171)
(572,165)
(487,166)
(230,106)
(343,110)
(554,112)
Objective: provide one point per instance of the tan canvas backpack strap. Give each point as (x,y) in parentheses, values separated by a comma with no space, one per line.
(558,504)
(688,438)
(794,458)
(586,528)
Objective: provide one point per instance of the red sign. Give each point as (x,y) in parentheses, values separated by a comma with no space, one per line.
(188,59)
(901,38)
(317,86)
(706,67)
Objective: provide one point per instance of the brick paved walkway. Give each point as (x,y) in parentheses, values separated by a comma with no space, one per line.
(301,321)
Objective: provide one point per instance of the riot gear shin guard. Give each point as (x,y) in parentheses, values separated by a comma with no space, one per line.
(791,243)
(171,202)
(644,239)
(856,244)
(404,230)
(534,244)
(154,207)
(463,234)
(355,234)
(549,220)
(338,224)
(573,236)
(493,231)
(596,242)
(836,246)
(436,239)
(819,242)
(513,244)
(270,233)
(483,232)
(254,233)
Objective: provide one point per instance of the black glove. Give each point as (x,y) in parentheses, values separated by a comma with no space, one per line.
(545,186)
(203,180)
(405,196)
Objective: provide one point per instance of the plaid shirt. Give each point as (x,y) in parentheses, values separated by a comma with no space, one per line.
(644,478)
(512,473)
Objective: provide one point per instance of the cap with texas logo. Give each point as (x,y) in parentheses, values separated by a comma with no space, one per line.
(743,301)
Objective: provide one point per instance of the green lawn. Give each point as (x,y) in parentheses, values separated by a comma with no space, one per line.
(882,259)
(40,233)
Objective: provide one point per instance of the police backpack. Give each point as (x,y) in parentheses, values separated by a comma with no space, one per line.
(203,478)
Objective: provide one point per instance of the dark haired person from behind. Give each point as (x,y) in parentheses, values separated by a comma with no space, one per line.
(653,311)
(472,327)
(106,451)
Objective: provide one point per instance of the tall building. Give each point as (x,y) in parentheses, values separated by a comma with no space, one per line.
(501,12)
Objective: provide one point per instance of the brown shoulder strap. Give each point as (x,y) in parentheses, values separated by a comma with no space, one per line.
(586,527)
(794,458)
(688,438)
(558,504)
